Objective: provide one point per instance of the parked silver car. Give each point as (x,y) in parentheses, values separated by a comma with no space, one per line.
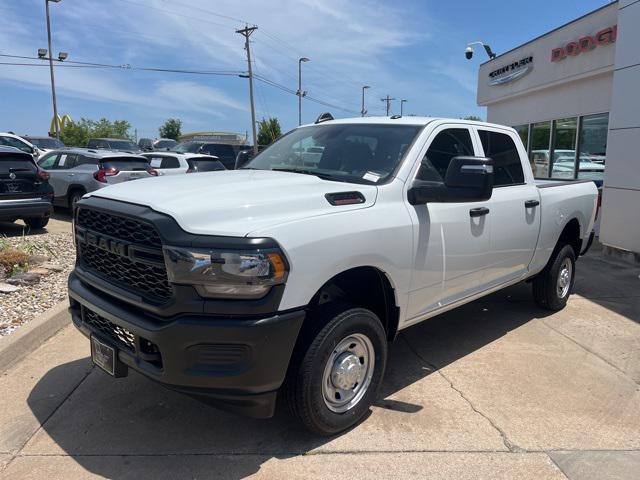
(76,171)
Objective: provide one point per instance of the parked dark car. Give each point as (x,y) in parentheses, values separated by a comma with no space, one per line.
(117,144)
(44,144)
(225,153)
(25,192)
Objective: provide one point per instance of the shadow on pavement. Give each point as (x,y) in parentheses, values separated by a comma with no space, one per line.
(19,229)
(105,423)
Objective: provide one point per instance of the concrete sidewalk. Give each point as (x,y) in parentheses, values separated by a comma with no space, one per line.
(498,389)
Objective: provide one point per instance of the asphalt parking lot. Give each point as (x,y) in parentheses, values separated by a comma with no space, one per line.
(497,389)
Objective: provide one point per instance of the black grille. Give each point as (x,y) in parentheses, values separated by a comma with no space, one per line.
(119,227)
(147,280)
(121,336)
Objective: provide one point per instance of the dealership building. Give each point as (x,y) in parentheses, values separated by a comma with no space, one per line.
(573,95)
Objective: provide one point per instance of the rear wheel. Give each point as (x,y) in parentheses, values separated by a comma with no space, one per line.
(36,223)
(334,381)
(552,287)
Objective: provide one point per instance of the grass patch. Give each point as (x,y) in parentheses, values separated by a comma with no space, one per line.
(13,261)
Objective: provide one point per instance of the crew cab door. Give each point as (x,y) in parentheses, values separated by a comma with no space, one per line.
(451,240)
(515,207)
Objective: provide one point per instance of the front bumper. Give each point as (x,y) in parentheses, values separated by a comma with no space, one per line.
(24,208)
(234,362)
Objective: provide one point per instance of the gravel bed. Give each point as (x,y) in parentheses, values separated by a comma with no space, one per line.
(19,307)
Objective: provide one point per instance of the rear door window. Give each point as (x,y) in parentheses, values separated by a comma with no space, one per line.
(126,164)
(66,161)
(507,166)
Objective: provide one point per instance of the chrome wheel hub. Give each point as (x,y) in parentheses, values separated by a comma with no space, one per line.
(564,278)
(348,373)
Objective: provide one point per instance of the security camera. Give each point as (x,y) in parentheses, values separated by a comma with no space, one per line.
(468,52)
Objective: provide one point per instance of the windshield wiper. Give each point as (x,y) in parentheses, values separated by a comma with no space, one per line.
(307,171)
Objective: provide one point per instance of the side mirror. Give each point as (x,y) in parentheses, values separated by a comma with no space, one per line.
(468,179)
(242,158)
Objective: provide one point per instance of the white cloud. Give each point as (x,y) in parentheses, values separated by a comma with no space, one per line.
(350,44)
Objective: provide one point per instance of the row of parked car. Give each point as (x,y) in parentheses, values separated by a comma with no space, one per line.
(35,176)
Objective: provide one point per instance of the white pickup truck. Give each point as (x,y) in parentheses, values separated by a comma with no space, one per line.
(290,276)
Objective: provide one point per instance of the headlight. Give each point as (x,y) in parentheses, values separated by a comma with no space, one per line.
(247,274)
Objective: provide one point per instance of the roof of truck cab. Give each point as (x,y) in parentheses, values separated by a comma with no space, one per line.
(397,120)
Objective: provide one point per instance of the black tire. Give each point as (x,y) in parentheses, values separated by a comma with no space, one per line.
(74,198)
(547,289)
(304,387)
(37,223)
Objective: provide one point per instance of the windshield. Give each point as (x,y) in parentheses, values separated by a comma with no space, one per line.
(164,143)
(187,147)
(359,153)
(48,143)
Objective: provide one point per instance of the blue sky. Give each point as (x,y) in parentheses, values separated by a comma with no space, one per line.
(407,49)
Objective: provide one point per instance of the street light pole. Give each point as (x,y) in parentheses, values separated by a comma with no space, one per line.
(363,111)
(401,105)
(56,120)
(300,92)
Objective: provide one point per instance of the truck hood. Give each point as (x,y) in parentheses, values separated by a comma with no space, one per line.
(236,202)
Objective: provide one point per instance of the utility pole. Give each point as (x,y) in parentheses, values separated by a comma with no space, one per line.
(363,111)
(401,105)
(56,120)
(246,32)
(388,100)
(300,93)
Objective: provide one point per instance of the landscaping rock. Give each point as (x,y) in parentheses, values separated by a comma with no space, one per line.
(38,259)
(6,288)
(40,271)
(24,279)
(52,266)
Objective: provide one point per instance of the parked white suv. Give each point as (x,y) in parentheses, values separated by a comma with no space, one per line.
(290,276)
(171,163)
(15,141)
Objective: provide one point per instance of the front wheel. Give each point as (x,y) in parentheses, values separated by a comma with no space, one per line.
(552,287)
(338,377)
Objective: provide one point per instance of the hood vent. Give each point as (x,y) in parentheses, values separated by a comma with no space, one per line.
(344,198)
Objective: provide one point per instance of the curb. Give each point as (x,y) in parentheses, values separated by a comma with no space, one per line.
(27,338)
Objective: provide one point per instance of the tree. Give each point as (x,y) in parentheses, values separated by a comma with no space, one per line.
(171,129)
(474,118)
(77,134)
(269,131)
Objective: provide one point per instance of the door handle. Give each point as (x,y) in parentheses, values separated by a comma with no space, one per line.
(70,174)
(531,203)
(478,212)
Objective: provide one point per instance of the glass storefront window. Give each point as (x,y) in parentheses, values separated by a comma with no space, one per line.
(564,148)
(523,131)
(593,147)
(539,149)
